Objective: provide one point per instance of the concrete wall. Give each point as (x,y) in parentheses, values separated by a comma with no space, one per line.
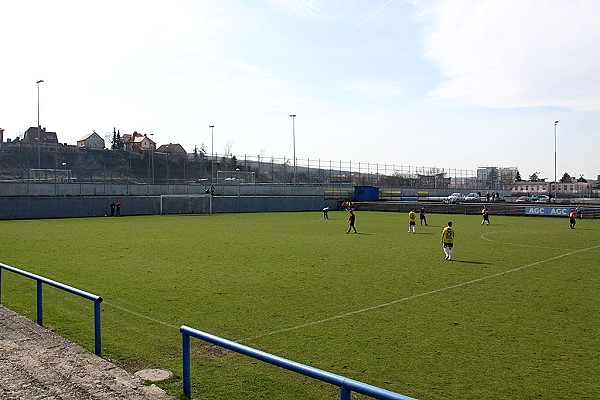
(102,189)
(98,206)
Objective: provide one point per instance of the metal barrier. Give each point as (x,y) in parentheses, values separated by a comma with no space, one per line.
(346,385)
(41,280)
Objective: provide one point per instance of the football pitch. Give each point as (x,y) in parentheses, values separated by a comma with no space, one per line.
(516,314)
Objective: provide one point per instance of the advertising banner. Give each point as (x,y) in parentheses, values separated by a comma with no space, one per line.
(547,211)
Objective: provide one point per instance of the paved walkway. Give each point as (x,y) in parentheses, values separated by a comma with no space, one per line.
(37,364)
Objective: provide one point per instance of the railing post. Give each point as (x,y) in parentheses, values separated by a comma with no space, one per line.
(1,284)
(345,393)
(187,382)
(40,317)
(97,328)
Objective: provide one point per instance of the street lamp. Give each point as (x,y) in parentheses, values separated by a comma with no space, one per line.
(212,153)
(38,120)
(64,165)
(555,181)
(152,147)
(294,139)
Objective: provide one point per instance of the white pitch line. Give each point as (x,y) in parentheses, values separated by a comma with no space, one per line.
(363,310)
(137,314)
(484,237)
(416,296)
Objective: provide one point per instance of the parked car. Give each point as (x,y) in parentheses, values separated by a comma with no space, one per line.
(534,197)
(454,198)
(542,198)
(472,197)
(523,199)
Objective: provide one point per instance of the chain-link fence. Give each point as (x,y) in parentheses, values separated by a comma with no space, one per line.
(61,163)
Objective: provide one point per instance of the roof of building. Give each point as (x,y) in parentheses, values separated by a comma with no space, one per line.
(89,135)
(31,135)
(171,148)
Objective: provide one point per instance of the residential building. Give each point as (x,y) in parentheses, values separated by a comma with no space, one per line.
(564,189)
(172,149)
(31,135)
(137,141)
(91,141)
(496,176)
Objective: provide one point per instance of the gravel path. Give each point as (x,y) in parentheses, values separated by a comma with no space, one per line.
(37,364)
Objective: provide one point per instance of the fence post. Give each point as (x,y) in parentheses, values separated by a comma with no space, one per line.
(40,317)
(345,393)
(187,383)
(97,330)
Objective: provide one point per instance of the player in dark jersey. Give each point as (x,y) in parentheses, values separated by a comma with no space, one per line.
(351,220)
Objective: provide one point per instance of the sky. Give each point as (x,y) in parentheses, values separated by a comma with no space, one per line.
(456,84)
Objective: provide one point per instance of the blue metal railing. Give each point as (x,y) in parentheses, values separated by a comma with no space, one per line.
(346,385)
(40,281)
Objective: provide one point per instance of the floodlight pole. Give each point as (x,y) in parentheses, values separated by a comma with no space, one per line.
(38,121)
(212,153)
(294,142)
(152,146)
(555,180)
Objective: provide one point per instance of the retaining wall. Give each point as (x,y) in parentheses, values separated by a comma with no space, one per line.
(61,189)
(98,206)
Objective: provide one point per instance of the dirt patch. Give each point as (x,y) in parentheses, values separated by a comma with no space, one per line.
(209,351)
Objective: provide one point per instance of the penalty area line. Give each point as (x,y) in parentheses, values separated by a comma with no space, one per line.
(418,295)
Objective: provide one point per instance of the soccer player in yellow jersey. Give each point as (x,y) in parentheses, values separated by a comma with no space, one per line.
(448,240)
(486,216)
(412,222)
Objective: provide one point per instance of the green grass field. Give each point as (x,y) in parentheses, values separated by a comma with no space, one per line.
(515,315)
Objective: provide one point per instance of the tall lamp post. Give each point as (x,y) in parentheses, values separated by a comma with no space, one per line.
(38,121)
(152,147)
(555,181)
(212,153)
(294,142)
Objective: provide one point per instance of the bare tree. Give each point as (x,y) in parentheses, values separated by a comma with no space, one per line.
(227,149)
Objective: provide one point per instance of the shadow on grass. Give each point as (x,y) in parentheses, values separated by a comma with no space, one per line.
(470,262)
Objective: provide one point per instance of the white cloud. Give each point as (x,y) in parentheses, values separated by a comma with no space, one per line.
(510,53)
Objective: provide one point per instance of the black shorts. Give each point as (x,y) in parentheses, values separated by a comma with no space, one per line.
(412,223)
(449,245)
